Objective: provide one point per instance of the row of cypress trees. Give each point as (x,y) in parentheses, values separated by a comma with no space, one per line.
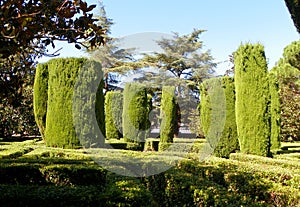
(250,111)
(127,114)
(252,107)
(69,107)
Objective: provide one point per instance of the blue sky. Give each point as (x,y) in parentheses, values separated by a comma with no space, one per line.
(228,23)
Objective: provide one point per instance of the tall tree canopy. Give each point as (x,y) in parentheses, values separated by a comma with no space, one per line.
(185,65)
(114,59)
(182,56)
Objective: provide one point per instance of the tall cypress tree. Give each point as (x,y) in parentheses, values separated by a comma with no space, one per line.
(135,114)
(212,114)
(62,102)
(275,110)
(60,131)
(252,99)
(113,114)
(40,97)
(168,116)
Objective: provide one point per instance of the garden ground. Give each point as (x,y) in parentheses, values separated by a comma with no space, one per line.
(34,175)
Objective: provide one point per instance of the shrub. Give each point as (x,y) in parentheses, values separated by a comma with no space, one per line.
(135,113)
(252,99)
(168,116)
(113,114)
(40,96)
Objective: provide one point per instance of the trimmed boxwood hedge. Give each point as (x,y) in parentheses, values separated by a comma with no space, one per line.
(244,180)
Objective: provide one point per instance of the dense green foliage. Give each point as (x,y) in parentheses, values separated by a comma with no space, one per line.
(16,105)
(287,74)
(135,118)
(252,99)
(88,104)
(212,90)
(60,20)
(74,94)
(291,54)
(60,131)
(168,116)
(16,113)
(294,9)
(113,114)
(275,112)
(40,97)
(27,28)
(60,177)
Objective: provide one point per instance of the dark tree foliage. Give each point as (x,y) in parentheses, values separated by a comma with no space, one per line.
(37,23)
(294,9)
(16,98)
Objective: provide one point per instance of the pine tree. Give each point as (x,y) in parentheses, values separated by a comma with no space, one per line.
(114,60)
(286,72)
(183,58)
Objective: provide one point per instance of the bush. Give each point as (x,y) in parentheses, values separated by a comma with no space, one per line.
(113,114)
(252,99)
(168,116)
(135,113)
